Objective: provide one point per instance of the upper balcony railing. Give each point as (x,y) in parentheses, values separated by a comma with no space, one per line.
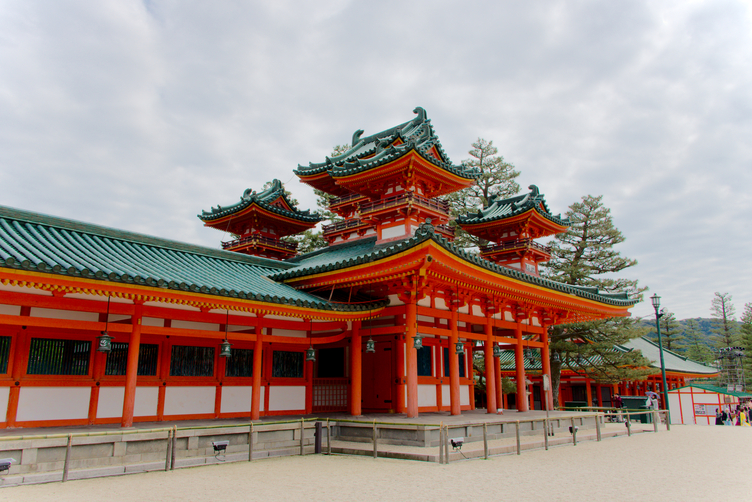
(445,229)
(338,201)
(342,225)
(261,239)
(437,205)
(520,243)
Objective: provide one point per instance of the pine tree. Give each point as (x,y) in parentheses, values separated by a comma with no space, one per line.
(673,338)
(696,349)
(497,179)
(581,257)
(725,327)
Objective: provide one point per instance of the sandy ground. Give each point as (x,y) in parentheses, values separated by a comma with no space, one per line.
(688,463)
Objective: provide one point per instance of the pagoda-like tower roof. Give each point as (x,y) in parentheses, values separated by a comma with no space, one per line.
(513,213)
(270,205)
(409,152)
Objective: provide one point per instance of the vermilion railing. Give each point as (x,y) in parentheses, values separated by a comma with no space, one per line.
(404,198)
(261,239)
(342,225)
(345,198)
(519,243)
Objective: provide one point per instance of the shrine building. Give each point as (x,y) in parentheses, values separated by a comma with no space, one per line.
(99,325)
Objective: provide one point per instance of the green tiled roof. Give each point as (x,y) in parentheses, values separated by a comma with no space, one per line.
(417,134)
(264,200)
(500,209)
(714,388)
(320,261)
(35,242)
(672,360)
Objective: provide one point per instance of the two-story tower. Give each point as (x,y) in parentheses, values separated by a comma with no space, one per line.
(511,226)
(388,183)
(260,221)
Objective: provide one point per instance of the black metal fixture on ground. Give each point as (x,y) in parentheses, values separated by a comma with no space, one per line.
(105,340)
(224,348)
(220,448)
(656,301)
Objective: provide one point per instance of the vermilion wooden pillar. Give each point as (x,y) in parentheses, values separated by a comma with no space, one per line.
(20,361)
(131,369)
(356,370)
(546,362)
(589,392)
(519,363)
(412,358)
(256,385)
(490,374)
(454,366)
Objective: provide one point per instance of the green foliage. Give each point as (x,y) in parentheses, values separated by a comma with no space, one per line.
(725,328)
(696,348)
(671,332)
(581,257)
(585,252)
(746,339)
(497,179)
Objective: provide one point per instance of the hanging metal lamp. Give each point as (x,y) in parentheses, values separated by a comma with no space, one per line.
(224,348)
(310,353)
(370,344)
(105,340)
(496,351)
(459,348)
(418,341)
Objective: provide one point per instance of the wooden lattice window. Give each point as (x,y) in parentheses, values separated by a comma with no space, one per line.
(240,363)
(58,357)
(446,362)
(4,353)
(425,361)
(287,364)
(117,359)
(192,361)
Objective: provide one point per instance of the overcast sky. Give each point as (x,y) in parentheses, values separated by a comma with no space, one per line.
(137,115)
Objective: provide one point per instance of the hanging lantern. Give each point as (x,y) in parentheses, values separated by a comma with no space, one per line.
(105,342)
(418,342)
(496,351)
(310,354)
(459,348)
(529,355)
(224,349)
(370,346)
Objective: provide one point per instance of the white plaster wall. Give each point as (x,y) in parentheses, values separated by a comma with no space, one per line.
(238,399)
(396,231)
(477,311)
(207,326)
(425,302)
(464,309)
(53,403)
(370,231)
(64,314)
(465,395)
(117,317)
(394,300)
(10,310)
(283,398)
(173,306)
(152,321)
(440,304)
(291,333)
(508,316)
(4,394)
(445,397)
(189,400)
(426,395)
(425,318)
(110,402)
(536,322)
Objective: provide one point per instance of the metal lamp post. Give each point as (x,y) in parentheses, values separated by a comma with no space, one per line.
(656,301)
